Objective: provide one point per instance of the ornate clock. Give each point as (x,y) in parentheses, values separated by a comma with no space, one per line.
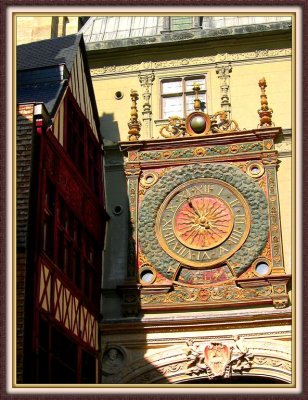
(202,216)
(204,213)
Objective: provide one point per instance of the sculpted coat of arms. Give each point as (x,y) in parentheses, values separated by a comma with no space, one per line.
(218,359)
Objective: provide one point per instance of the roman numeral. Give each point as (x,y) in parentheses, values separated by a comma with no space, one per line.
(240,219)
(221,190)
(185,195)
(172,208)
(169,237)
(235,236)
(165,222)
(222,250)
(183,251)
(200,256)
(234,203)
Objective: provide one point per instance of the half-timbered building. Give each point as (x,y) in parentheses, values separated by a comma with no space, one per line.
(61,216)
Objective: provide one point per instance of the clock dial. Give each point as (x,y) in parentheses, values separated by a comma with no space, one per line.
(203,216)
(202,222)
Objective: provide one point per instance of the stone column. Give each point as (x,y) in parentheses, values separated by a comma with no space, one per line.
(146,79)
(223,71)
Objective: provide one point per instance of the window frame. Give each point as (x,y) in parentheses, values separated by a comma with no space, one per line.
(89,165)
(48,352)
(71,241)
(183,94)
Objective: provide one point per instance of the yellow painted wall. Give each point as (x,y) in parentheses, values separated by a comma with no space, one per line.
(30,29)
(244,94)
(115,114)
(33,28)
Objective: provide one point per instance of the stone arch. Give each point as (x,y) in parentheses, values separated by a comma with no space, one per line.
(271,360)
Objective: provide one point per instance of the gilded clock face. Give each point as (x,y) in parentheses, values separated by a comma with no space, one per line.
(203,216)
(202,222)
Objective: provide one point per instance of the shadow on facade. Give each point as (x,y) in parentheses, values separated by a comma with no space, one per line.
(122,334)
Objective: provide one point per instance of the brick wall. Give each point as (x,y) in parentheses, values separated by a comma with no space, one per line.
(24,131)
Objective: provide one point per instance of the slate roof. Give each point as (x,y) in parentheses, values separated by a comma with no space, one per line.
(43,68)
(110,28)
(46,53)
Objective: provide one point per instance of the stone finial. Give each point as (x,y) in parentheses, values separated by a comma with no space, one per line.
(265,113)
(197,102)
(134,124)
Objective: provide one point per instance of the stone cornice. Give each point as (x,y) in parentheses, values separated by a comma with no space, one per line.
(196,321)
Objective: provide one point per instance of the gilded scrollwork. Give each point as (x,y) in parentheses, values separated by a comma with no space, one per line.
(174,129)
(213,124)
(222,124)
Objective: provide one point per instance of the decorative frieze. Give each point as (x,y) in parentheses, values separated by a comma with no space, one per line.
(207,296)
(208,357)
(193,61)
(200,152)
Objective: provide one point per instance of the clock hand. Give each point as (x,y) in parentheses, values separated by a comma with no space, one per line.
(194,208)
(202,218)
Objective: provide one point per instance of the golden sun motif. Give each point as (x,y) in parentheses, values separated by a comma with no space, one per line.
(203,222)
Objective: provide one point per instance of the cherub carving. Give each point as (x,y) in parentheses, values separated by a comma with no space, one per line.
(243,358)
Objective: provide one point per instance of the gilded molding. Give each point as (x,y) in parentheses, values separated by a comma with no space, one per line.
(200,152)
(193,61)
(210,295)
(275,231)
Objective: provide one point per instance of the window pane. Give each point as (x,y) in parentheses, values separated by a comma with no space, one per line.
(173,103)
(179,23)
(172,87)
(172,106)
(190,83)
(88,368)
(190,103)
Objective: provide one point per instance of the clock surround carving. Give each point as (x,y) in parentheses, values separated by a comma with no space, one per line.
(229,175)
